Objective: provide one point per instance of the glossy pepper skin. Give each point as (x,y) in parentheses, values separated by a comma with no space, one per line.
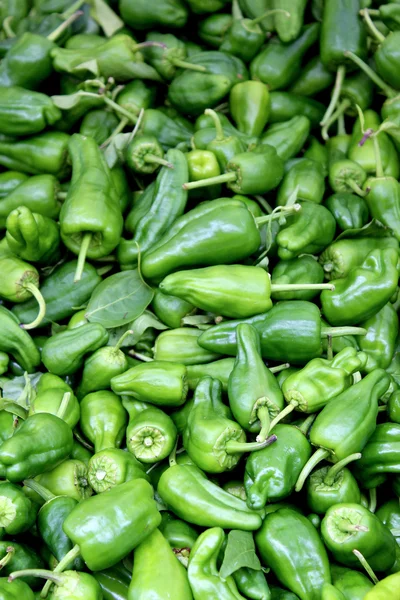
(151,435)
(70,478)
(157,572)
(203,575)
(379,455)
(112,467)
(383,201)
(101,217)
(180,346)
(291,546)
(288,137)
(219,289)
(157,382)
(45,153)
(17,342)
(9,180)
(285,106)
(32,236)
(218,508)
(24,112)
(388,585)
(328,486)
(271,473)
(49,396)
(302,269)
(311,388)
(22,557)
(278,64)
(188,242)
(27,64)
(61,293)
(168,203)
(131,505)
(343,255)
(37,193)
(192,92)
(314,78)
(379,343)
(18,512)
(346,423)
(29,452)
(171,310)
(100,367)
(350,582)
(372,539)
(98,124)
(114,582)
(16,590)
(103,419)
(352,300)
(249,104)
(307,231)
(253,392)
(350,211)
(170,13)
(63,352)
(307,177)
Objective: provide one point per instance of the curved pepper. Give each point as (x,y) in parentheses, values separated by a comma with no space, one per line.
(350,211)
(253,392)
(291,546)
(32,236)
(27,63)
(203,574)
(157,572)
(180,346)
(95,230)
(169,13)
(380,455)
(272,472)
(103,419)
(379,343)
(63,352)
(356,297)
(289,137)
(306,177)
(17,342)
(213,441)
(24,112)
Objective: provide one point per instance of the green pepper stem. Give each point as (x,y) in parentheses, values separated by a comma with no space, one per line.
(73,8)
(279,368)
(264,418)
(85,243)
(183,64)
(340,75)
(62,195)
(366,566)
(236,11)
(343,106)
(306,424)
(266,206)
(224,178)
(371,26)
(42,306)
(355,187)
(312,462)
(54,35)
(62,409)
(269,13)
(64,563)
(139,356)
(379,82)
(329,350)
(44,573)
(372,500)
(39,489)
(152,158)
(346,527)
(8,30)
(122,124)
(10,550)
(378,157)
(284,413)
(288,287)
(340,331)
(217,124)
(341,127)
(82,440)
(277,213)
(333,472)
(122,339)
(233,447)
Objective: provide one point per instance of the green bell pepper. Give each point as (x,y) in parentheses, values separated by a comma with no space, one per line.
(112,467)
(350,211)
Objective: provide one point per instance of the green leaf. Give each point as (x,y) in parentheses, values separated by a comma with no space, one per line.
(19,392)
(240,552)
(119,299)
(138,326)
(114,153)
(106,17)
(67,101)
(372,229)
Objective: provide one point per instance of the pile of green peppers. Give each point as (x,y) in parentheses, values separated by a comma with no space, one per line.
(199,299)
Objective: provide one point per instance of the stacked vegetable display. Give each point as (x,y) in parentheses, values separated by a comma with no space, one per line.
(199,333)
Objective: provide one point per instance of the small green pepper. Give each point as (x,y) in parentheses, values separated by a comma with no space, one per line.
(84,586)
(24,112)
(144,155)
(350,211)
(287,137)
(141,15)
(307,178)
(103,419)
(151,435)
(180,345)
(303,269)
(328,486)
(112,467)
(379,343)
(18,512)
(98,124)
(379,455)
(32,236)
(17,342)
